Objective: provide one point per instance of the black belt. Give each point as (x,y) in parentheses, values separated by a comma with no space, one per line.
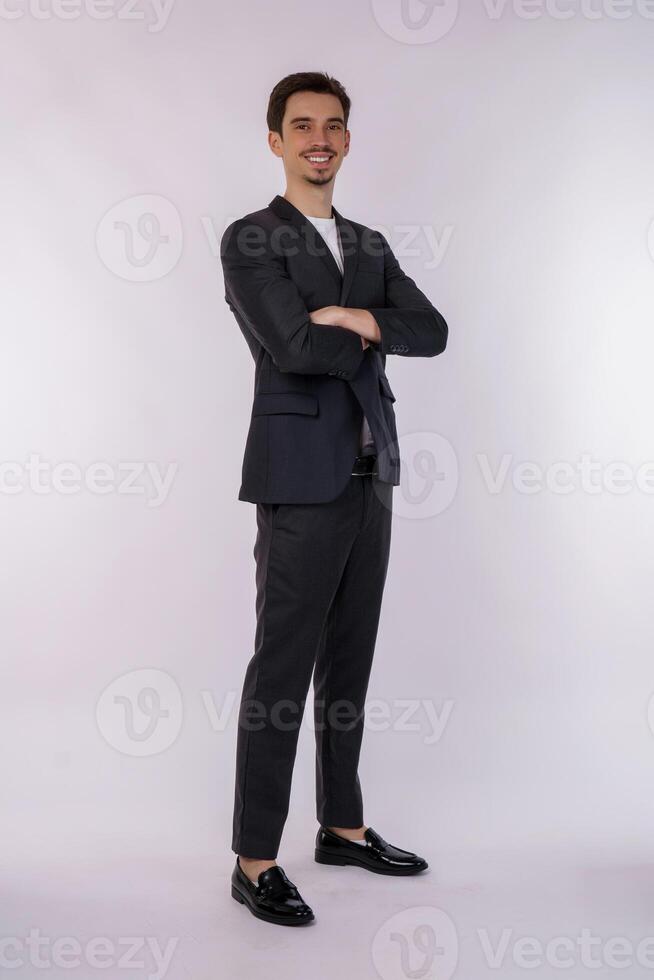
(365,465)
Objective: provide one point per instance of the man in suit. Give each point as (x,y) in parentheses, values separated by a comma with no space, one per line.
(321,302)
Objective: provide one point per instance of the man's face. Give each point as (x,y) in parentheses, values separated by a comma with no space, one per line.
(314,138)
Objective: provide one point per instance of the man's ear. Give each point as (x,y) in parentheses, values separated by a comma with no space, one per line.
(275,143)
(346,143)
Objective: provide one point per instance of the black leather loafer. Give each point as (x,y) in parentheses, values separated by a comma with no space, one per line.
(275,898)
(377,855)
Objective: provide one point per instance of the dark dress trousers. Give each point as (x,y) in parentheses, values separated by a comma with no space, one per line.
(323,532)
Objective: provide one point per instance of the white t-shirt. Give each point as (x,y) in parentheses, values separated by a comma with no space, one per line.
(328,229)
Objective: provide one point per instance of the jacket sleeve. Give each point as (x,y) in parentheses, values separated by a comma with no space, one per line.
(259,289)
(409,324)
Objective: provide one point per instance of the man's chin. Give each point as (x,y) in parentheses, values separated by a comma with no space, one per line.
(318,181)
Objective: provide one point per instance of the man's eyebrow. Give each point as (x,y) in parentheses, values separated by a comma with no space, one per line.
(311,119)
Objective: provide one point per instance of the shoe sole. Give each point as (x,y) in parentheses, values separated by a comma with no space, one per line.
(267,917)
(324,857)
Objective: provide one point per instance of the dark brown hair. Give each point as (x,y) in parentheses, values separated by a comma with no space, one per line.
(303,81)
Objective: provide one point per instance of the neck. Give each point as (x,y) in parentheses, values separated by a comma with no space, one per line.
(311,200)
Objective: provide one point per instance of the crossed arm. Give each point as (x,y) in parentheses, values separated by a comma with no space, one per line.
(330,340)
(350,318)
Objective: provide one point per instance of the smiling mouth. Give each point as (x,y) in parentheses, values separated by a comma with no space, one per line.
(318,159)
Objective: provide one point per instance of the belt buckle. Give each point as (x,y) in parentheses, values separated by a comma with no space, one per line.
(362,467)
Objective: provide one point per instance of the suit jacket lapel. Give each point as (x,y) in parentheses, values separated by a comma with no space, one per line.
(315,243)
(350,245)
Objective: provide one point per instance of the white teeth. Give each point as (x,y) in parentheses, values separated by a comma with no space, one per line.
(318,159)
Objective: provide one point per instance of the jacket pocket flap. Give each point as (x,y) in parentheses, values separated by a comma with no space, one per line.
(280,402)
(385,387)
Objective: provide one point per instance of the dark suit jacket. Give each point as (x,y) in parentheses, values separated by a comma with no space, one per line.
(312,382)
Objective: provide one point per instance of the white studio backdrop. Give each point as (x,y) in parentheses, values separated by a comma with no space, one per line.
(506,150)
